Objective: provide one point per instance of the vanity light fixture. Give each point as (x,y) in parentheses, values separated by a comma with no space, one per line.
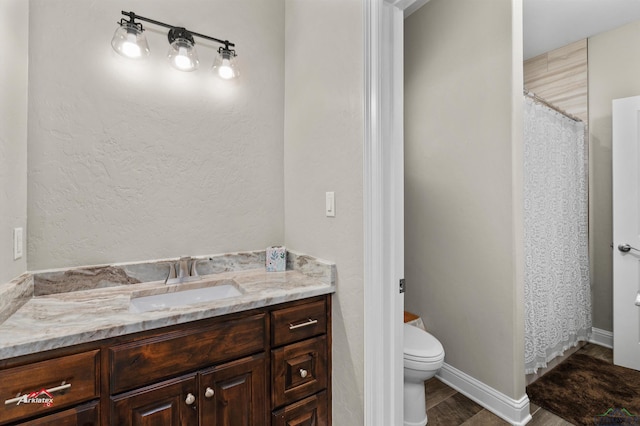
(224,65)
(130,42)
(182,52)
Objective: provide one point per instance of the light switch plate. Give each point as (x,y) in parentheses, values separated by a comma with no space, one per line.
(330,208)
(17,243)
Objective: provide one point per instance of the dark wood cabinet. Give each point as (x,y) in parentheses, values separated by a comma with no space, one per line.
(44,387)
(232,394)
(235,393)
(311,411)
(298,322)
(169,403)
(264,366)
(83,415)
(146,361)
(301,365)
(299,370)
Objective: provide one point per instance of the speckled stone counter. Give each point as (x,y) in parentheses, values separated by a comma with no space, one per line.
(53,309)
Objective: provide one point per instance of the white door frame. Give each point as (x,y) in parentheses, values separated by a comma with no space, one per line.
(383,211)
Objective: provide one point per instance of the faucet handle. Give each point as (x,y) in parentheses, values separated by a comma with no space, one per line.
(194,271)
(172,272)
(183,267)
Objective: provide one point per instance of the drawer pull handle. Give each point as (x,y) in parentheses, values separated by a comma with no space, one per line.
(303,373)
(62,387)
(209,392)
(304,324)
(190,399)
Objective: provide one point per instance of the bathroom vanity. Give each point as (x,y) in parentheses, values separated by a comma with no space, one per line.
(237,364)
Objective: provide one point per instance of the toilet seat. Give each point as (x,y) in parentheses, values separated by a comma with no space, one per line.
(421,347)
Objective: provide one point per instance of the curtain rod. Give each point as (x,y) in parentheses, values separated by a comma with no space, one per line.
(539,100)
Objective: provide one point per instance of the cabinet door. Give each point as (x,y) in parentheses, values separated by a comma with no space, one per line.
(310,411)
(235,394)
(170,403)
(84,415)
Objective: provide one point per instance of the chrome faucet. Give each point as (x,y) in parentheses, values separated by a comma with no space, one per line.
(186,271)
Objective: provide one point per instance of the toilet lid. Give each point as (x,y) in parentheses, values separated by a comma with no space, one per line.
(420,344)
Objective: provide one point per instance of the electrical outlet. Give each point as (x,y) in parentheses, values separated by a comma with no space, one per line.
(17,243)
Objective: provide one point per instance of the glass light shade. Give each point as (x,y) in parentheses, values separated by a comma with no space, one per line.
(129,41)
(224,65)
(182,55)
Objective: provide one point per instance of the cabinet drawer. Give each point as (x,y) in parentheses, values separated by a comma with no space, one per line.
(84,415)
(38,388)
(298,322)
(145,361)
(311,411)
(298,370)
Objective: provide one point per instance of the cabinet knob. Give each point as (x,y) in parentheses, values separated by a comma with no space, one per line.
(209,392)
(303,373)
(190,399)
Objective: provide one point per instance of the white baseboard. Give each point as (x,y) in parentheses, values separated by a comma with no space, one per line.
(601,337)
(516,412)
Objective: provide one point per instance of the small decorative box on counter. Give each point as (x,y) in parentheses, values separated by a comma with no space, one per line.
(276,259)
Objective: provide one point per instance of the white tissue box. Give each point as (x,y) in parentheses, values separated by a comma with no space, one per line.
(276,259)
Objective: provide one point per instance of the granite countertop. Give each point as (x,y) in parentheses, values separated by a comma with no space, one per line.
(36,317)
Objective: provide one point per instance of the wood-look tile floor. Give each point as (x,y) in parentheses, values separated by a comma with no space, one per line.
(447,407)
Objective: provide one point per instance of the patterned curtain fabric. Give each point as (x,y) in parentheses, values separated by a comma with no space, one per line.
(557,290)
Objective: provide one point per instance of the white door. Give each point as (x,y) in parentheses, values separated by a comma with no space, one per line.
(626,232)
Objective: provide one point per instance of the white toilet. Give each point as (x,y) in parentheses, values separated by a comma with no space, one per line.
(423,357)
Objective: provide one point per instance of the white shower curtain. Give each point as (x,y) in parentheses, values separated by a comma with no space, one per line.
(557,291)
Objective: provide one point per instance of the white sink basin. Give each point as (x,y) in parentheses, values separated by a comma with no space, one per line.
(183,297)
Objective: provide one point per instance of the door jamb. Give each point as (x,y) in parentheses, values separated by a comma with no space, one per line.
(383,210)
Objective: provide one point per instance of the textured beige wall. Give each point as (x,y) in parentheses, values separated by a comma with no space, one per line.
(14,42)
(135,160)
(614,67)
(463,161)
(323,152)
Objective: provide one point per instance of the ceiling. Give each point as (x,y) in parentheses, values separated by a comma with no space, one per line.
(549,24)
